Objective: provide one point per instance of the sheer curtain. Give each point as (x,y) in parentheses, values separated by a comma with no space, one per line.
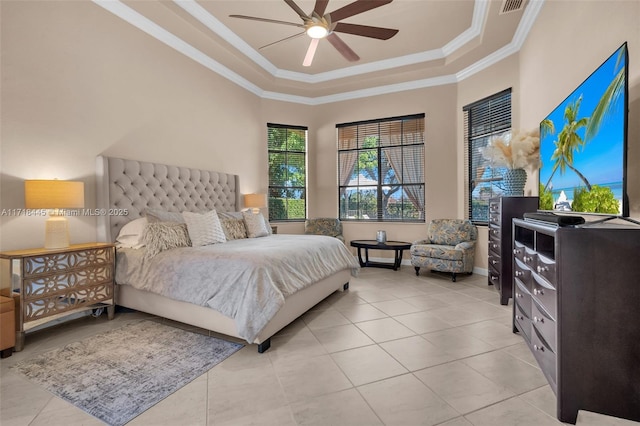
(408,168)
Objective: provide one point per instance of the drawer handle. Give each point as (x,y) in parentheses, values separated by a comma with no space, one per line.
(519,273)
(494,277)
(494,262)
(494,245)
(536,291)
(516,251)
(540,320)
(519,317)
(526,259)
(538,348)
(542,269)
(519,294)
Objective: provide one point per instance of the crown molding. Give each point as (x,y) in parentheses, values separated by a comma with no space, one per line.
(480,11)
(154,30)
(204,17)
(526,23)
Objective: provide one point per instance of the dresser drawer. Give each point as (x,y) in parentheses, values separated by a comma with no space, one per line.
(494,206)
(495,261)
(494,278)
(522,322)
(63,262)
(545,294)
(523,274)
(529,258)
(494,232)
(544,324)
(519,251)
(546,358)
(546,268)
(522,297)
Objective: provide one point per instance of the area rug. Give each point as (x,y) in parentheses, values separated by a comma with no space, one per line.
(117,375)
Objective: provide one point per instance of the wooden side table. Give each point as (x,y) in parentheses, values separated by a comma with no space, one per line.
(50,284)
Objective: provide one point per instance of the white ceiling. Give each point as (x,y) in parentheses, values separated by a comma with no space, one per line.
(439,42)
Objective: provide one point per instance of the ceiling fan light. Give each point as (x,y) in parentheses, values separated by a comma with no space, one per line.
(317,31)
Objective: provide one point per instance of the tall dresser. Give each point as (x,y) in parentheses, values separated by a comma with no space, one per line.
(577,306)
(501,211)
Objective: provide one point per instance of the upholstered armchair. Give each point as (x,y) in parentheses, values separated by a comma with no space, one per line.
(331,227)
(449,247)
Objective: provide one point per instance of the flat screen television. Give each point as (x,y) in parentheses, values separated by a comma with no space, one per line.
(583,145)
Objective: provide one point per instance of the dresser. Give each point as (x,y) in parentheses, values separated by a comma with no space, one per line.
(501,211)
(577,306)
(50,284)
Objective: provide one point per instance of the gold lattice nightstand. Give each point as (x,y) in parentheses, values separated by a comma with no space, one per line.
(50,284)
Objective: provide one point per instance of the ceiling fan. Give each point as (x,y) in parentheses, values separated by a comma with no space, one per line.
(319,25)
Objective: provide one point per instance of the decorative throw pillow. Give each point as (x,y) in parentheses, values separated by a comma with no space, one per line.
(268,225)
(158,215)
(160,236)
(255,224)
(234,229)
(204,228)
(130,236)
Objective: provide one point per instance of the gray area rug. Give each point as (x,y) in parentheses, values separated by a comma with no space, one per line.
(117,375)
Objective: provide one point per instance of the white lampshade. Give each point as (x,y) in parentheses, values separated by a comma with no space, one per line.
(54,195)
(255,201)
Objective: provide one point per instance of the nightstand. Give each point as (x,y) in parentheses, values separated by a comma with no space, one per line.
(50,284)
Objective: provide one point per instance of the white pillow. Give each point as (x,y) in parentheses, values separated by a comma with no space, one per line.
(255,224)
(130,236)
(204,228)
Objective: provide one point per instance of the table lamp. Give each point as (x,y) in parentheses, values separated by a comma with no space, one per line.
(255,202)
(54,195)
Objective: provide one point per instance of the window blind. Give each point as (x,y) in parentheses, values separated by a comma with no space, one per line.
(381,169)
(482,120)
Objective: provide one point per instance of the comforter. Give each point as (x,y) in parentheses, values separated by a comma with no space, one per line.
(247,280)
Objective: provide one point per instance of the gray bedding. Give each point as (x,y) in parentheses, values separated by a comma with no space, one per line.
(246,280)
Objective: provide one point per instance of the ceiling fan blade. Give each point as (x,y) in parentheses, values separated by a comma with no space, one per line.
(299,11)
(320,7)
(273,21)
(284,39)
(365,31)
(342,47)
(355,8)
(308,59)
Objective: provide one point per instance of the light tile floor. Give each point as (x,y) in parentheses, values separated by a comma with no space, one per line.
(395,349)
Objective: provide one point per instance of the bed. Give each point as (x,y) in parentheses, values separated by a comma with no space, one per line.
(128,190)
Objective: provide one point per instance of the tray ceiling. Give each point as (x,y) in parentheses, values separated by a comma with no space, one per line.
(438,42)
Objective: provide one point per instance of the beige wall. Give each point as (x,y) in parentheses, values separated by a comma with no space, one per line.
(566,44)
(438,104)
(78,82)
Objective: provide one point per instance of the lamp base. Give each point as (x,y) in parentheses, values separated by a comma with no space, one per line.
(56,233)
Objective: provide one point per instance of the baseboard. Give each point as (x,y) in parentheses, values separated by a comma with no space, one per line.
(407,262)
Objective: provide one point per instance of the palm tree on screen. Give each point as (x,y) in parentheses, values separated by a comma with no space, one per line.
(569,141)
(608,99)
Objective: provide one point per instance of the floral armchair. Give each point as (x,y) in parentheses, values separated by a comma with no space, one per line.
(331,227)
(450,247)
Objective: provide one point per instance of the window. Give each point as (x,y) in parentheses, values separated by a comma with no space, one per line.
(381,169)
(287,147)
(483,119)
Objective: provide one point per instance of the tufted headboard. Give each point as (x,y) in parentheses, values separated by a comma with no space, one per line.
(132,186)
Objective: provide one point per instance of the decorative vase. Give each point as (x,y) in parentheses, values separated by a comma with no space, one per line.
(514,180)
